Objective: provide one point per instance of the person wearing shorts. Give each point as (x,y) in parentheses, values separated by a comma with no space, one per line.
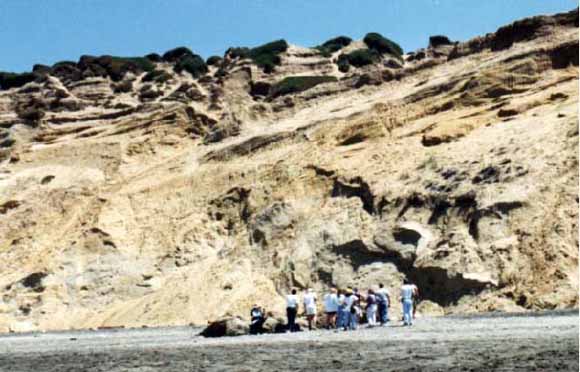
(310,307)
(331,308)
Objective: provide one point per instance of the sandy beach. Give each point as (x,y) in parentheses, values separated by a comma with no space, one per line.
(517,342)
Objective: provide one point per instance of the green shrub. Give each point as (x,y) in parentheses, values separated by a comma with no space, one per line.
(159,76)
(193,64)
(238,52)
(343,65)
(296,84)
(382,45)
(333,45)
(41,69)
(12,80)
(265,56)
(213,60)
(274,47)
(176,54)
(142,63)
(154,57)
(357,58)
(117,67)
(438,40)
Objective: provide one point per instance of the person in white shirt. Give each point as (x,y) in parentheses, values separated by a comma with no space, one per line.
(310,307)
(408,292)
(371,308)
(351,310)
(292,310)
(383,302)
(331,308)
(342,315)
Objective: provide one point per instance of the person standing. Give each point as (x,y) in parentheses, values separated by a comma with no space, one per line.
(310,307)
(383,304)
(331,308)
(356,309)
(341,313)
(371,308)
(407,295)
(415,299)
(351,310)
(292,310)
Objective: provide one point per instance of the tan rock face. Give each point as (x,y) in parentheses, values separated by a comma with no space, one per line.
(458,170)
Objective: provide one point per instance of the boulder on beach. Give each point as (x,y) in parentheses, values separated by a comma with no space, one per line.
(229,326)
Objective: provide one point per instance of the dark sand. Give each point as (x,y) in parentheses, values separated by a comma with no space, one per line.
(546,341)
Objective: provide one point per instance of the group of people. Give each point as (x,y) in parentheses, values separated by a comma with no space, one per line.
(346,309)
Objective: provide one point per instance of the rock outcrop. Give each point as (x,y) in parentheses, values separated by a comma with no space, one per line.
(165,190)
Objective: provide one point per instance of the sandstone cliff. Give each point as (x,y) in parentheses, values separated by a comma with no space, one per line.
(164,191)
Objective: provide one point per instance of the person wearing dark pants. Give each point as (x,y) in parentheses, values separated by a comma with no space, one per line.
(258,318)
(292,311)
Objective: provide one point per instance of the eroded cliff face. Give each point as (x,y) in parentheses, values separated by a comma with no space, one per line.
(179,200)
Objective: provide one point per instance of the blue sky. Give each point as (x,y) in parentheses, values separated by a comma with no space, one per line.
(48,31)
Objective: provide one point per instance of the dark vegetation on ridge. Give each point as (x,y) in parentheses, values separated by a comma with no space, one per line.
(266,56)
(357,58)
(296,84)
(333,45)
(12,80)
(87,66)
(186,60)
(158,76)
(438,40)
(382,45)
(213,60)
(378,46)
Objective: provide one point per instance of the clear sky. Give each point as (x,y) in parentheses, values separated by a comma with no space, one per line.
(48,31)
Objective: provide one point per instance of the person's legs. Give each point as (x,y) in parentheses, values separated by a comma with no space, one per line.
(291,314)
(309,318)
(382,308)
(348,320)
(370,317)
(261,326)
(407,308)
(341,323)
(353,321)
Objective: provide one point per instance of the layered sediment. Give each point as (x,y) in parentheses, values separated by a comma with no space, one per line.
(173,192)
